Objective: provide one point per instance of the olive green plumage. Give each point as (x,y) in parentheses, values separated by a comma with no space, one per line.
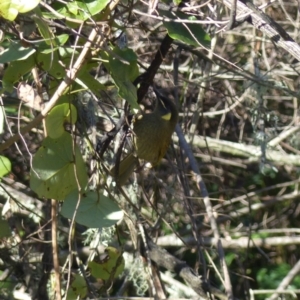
(152,136)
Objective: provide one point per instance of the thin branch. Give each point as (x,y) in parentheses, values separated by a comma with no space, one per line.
(232,15)
(209,210)
(267,25)
(253,153)
(55,249)
(241,243)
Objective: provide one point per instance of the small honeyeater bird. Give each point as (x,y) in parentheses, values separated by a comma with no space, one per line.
(152,133)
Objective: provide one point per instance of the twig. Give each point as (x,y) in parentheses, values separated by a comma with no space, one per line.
(267,25)
(232,15)
(241,243)
(201,185)
(55,249)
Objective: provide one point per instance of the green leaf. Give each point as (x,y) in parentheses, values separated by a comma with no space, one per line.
(44,29)
(188,33)
(87,81)
(272,276)
(59,41)
(122,64)
(9,9)
(15,51)
(8,285)
(229,258)
(67,52)
(5,230)
(92,7)
(82,10)
(95,210)
(59,115)
(52,174)
(78,288)
(50,63)
(111,267)
(128,92)
(5,166)
(16,70)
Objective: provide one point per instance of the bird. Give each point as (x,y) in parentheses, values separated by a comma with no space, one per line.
(152,133)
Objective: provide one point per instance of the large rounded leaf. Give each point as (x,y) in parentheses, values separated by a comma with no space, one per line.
(95,210)
(53,172)
(9,9)
(57,117)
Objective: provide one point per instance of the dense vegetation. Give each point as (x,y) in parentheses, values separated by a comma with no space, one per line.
(217,218)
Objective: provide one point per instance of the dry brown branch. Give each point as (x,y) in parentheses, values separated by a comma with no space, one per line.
(253,153)
(202,188)
(267,25)
(240,243)
(166,260)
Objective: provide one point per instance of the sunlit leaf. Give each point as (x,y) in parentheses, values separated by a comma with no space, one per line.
(59,40)
(59,115)
(9,9)
(15,51)
(5,166)
(94,211)
(80,10)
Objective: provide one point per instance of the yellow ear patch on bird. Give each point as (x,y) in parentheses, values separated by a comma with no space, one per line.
(167,116)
